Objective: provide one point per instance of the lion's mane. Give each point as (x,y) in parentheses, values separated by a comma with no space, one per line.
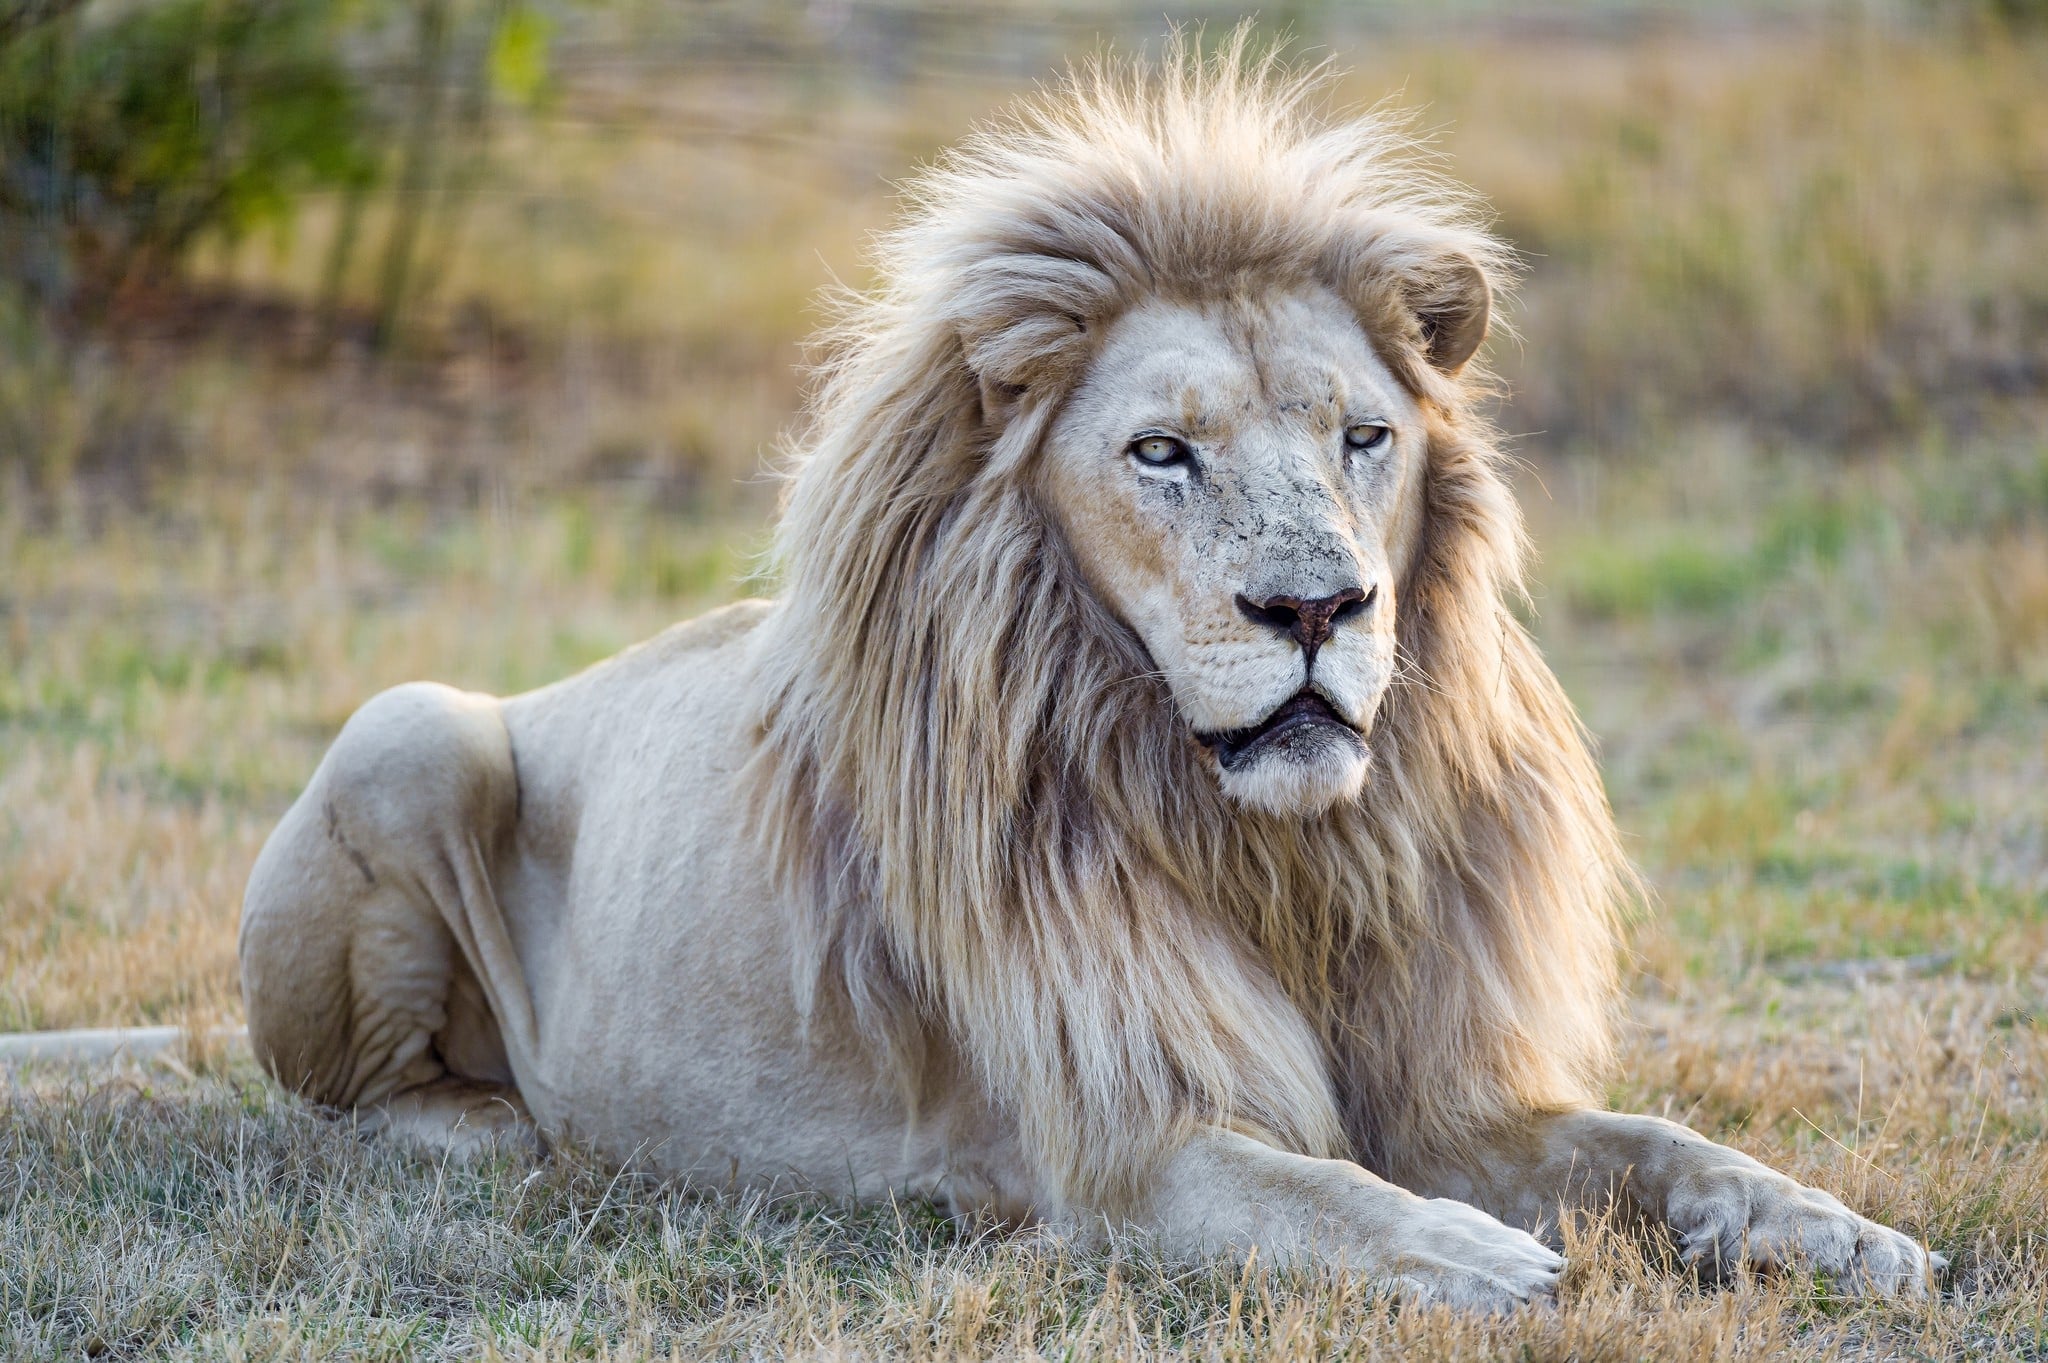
(973,782)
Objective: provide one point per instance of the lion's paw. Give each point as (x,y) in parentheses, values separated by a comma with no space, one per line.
(1450,1253)
(1754,1218)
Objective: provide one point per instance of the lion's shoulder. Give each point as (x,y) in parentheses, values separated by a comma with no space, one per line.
(678,693)
(705,633)
(713,629)
(689,649)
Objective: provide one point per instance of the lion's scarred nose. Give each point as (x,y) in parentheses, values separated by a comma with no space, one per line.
(1308,621)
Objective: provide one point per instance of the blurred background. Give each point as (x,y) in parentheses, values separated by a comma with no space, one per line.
(344,342)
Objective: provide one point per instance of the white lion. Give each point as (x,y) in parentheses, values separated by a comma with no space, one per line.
(1140,808)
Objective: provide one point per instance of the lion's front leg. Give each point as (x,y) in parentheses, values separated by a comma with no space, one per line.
(1729,1211)
(1228,1193)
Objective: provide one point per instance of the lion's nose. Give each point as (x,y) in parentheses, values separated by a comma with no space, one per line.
(1309,621)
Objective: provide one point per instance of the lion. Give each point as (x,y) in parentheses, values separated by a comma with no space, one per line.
(1139,809)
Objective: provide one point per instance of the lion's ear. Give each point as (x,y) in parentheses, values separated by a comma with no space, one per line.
(1453,302)
(1036,351)
(1021,318)
(998,400)
(1415,282)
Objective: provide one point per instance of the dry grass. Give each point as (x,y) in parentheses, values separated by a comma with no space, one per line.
(170,680)
(213,1218)
(1795,538)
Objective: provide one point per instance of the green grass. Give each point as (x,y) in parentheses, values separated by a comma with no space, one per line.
(1695,569)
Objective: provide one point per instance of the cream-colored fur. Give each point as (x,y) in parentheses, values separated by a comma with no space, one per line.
(958,871)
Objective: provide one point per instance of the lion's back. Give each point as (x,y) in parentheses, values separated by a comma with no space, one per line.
(630,725)
(715,631)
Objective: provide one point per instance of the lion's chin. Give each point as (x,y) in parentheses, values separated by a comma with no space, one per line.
(1313,774)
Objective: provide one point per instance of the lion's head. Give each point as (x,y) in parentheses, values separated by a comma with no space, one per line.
(1143,512)
(1240,478)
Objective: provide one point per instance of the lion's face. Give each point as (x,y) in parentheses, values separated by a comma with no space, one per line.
(1241,483)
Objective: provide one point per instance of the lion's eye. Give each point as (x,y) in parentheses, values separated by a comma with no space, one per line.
(1367,435)
(1160,451)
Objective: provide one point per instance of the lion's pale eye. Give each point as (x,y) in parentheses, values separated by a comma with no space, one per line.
(1367,436)
(1160,451)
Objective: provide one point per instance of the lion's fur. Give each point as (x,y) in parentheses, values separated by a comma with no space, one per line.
(968,770)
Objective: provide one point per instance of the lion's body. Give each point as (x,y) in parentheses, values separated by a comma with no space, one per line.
(647,942)
(1139,804)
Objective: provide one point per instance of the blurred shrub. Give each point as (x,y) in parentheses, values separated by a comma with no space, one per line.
(129,134)
(2011,14)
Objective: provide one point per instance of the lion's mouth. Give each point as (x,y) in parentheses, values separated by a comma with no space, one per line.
(1303,721)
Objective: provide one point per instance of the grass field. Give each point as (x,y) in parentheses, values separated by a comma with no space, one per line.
(1788,473)
(1822,696)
